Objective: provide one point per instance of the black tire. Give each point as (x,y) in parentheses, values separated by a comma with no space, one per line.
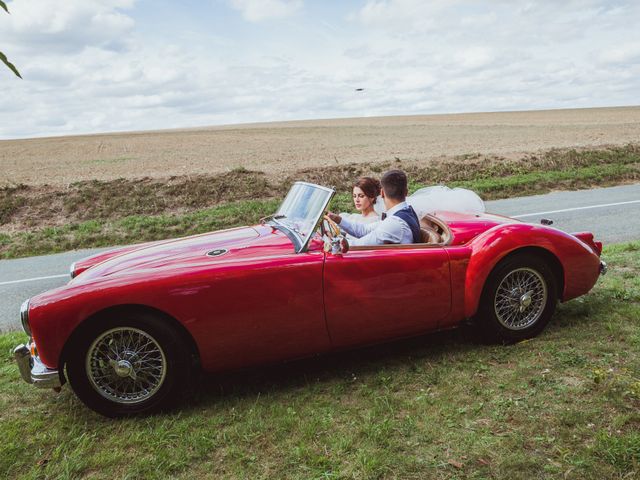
(518,299)
(128,364)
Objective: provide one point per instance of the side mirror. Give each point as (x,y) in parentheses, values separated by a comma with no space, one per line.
(339,245)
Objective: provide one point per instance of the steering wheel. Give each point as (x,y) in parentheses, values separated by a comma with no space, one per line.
(331,228)
(334,240)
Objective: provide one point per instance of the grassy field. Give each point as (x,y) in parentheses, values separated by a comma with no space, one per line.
(563,405)
(38,220)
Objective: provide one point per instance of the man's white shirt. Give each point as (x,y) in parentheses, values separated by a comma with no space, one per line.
(390,230)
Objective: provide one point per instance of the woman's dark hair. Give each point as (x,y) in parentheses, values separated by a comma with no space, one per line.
(370,186)
(394,183)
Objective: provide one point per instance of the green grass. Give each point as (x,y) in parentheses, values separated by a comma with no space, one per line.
(538,182)
(133,229)
(563,405)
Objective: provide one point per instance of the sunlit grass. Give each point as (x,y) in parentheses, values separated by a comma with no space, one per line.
(563,405)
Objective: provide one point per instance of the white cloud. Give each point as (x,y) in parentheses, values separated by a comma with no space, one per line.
(404,15)
(626,53)
(93,67)
(473,57)
(500,54)
(66,26)
(258,10)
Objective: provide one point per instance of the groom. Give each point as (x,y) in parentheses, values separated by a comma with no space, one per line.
(399,224)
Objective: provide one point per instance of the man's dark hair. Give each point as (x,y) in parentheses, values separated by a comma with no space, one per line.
(394,183)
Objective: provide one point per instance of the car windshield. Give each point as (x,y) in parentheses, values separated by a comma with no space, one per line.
(301,210)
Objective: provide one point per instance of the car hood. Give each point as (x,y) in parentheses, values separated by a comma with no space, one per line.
(197,251)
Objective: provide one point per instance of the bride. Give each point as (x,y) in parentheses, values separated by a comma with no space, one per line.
(365,198)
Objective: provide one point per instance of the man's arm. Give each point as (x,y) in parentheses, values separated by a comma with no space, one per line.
(389,231)
(355,229)
(358,229)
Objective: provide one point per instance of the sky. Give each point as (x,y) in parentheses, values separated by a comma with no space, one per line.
(93,66)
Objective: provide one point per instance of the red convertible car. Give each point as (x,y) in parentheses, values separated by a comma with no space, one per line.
(132,323)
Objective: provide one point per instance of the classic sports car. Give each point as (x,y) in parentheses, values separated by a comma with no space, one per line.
(132,323)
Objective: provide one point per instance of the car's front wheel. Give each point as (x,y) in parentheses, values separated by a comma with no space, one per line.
(518,299)
(129,364)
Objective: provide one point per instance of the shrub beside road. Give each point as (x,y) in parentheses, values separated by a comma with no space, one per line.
(46,219)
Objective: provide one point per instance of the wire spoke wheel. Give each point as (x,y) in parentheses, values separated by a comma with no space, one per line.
(520,298)
(126,365)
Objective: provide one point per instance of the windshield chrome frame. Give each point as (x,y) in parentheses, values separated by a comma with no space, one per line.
(301,244)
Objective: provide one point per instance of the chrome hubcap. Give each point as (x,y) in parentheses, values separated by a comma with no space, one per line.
(525,301)
(520,299)
(126,365)
(123,368)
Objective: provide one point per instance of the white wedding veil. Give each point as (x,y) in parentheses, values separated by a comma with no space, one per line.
(431,199)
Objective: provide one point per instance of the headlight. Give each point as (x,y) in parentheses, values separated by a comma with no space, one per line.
(72,270)
(24,317)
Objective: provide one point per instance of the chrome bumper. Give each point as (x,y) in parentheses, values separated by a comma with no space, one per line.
(603,267)
(34,371)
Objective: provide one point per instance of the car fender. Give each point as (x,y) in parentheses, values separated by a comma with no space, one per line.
(579,263)
(55,314)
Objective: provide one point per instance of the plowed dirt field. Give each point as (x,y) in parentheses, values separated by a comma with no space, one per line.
(278,148)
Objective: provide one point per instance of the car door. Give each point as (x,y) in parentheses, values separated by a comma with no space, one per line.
(258,310)
(387,291)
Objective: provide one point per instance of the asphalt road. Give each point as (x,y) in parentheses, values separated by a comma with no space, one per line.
(612,214)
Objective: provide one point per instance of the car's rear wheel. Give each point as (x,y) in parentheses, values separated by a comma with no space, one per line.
(130,364)
(518,299)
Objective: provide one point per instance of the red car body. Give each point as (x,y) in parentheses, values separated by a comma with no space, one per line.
(259,301)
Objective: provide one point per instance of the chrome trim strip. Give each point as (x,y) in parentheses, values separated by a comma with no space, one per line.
(386,246)
(326,189)
(33,371)
(291,235)
(603,267)
(72,270)
(24,317)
